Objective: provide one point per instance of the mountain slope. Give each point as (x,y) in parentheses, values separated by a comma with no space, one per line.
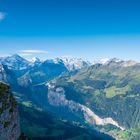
(42,73)
(46,126)
(108,90)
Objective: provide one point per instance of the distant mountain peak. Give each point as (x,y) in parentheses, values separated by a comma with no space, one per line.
(58,60)
(15,57)
(75,63)
(35,59)
(115,62)
(102,61)
(55,61)
(116,59)
(15,62)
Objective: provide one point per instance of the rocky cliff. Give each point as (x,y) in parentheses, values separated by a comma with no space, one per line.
(9,117)
(57,98)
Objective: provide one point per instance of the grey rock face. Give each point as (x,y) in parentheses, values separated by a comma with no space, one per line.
(9,117)
(56,97)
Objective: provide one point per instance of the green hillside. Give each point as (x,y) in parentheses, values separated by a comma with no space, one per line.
(111,91)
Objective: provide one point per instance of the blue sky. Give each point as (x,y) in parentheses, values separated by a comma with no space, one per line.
(90,29)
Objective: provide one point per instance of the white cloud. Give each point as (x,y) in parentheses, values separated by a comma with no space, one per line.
(34,51)
(2,16)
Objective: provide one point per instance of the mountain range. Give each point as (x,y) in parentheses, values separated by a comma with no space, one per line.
(103,95)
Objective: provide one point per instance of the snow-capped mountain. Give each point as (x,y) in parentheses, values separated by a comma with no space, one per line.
(75,63)
(35,59)
(46,70)
(43,72)
(7,75)
(15,62)
(55,61)
(115,62)
(37,71)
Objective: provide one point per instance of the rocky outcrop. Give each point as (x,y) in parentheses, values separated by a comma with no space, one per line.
(9,117)
(56,97)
